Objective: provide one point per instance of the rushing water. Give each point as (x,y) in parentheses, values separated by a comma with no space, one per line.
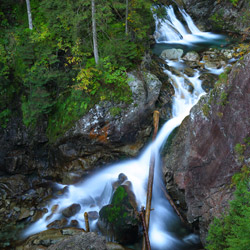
(95,191)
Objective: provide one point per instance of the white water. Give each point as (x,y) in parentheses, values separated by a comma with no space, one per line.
(96,191)
(165,33)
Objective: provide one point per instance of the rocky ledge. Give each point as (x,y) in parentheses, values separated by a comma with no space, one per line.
(201,160)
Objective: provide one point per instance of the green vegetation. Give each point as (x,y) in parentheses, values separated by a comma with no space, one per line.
(234,2)
(50,72)
(232,230)
(205,109)
(223,98)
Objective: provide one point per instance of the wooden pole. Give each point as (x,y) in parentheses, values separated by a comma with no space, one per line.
(145,229)
(86,218)
(151,177)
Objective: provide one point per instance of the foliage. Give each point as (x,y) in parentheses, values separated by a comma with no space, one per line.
(50,66)
(69,107)
(232,230)
(234,2)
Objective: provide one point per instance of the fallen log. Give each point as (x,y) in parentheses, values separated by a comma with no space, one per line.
(145,229)
(151,177)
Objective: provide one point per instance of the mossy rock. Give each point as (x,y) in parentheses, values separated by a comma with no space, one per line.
(119,220)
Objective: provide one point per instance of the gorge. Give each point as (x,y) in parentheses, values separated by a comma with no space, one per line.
(194,162)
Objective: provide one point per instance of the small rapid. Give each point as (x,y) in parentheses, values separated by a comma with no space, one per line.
(95,191)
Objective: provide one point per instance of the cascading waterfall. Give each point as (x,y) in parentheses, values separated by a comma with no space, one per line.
(171,30)
(95,191)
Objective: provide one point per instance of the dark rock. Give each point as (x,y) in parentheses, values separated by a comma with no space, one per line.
(119,220)
(58,224)
(208,81)
(201,160)
(74,223)
(71,210)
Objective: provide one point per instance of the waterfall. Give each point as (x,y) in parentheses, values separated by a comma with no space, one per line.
(95,191)
(171,30)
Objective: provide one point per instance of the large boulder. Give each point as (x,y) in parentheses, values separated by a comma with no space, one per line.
(119,219)
(201,160)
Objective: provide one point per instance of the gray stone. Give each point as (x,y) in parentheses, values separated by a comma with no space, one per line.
(82,241)
(192,56)
(171,54)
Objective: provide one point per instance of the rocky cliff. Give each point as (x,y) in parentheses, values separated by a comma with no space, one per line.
(201,159)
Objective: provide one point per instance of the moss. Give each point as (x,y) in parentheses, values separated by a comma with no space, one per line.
(240,148)
(217,20)
(223,98)
(219,114)
(206,109)
(114,111)
(119,196)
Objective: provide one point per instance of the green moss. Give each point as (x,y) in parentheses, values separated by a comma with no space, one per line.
(114,111)
(223,98)
(115,211)
(217,20)
(119,196)
(206,109)
(239,149)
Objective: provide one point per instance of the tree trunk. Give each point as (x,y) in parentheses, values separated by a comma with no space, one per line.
(94,32)
(126,21)
(29,14)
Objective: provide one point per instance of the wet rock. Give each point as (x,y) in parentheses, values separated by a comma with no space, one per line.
(192,56)
(121,178)
(119,220)
(208,81)
(39,214)
(171,54)
(212,65)
(74,223)
(189,71)
(201,163)
(47,238)
(25,213)
(82,241)
(58,224)
(93,215)
(71,210)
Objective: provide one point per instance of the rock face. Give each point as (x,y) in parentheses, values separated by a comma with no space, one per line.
(220,15)
(201,160)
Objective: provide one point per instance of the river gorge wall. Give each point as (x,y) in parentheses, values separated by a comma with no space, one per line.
(202,159)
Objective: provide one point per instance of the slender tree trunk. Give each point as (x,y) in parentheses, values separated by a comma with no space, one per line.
(126,21)
(29,14)
(94,32)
